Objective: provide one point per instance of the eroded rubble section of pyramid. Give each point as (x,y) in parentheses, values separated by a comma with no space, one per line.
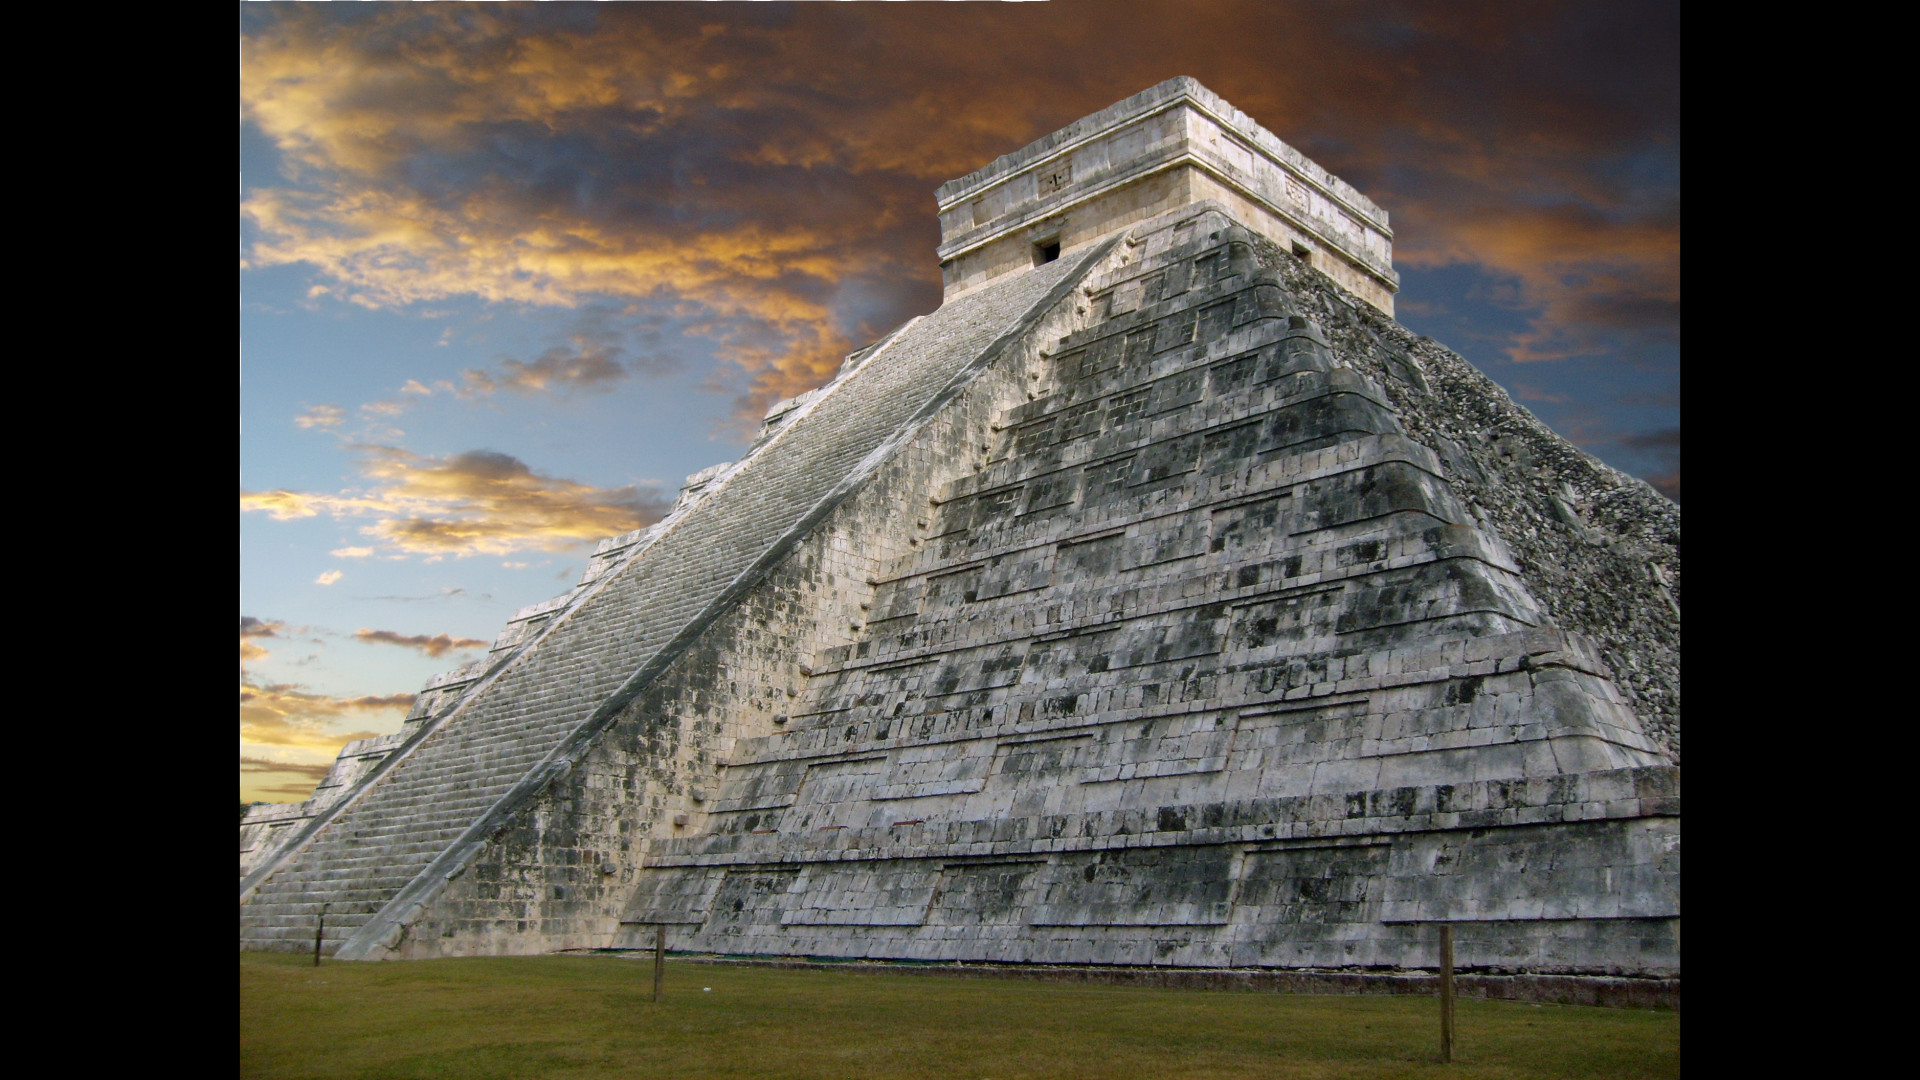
(1209,666)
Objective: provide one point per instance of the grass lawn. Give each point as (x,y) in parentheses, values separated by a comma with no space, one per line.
(589,1016)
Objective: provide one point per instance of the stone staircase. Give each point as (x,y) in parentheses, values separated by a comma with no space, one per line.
(387,833)
(395,829)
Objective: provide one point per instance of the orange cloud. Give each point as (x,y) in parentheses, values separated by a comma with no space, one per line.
(298,779)
(284,723)
(434,645)
(315,772)
(251,627)
(284,715)
(479,502)
(756,266)
(1584,275)
(770,178)
(321,416)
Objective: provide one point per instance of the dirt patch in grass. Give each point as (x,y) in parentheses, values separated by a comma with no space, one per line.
(590,1016)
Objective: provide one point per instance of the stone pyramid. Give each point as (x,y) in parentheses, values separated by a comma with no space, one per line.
(1157,600)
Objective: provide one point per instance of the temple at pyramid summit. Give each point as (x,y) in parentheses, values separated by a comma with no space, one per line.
(1157,601)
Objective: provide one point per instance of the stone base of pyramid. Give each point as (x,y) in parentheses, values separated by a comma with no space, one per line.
(1621,992)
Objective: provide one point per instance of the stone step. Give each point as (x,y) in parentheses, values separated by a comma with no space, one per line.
(373,876)
(366,875)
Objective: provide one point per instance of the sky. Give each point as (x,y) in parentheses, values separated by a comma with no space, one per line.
(508,273)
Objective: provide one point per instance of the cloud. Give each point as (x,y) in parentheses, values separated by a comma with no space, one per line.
(629,184)
(288,716)
(312,771)
(558,368)
(1589,281)
(321,416)
(447,592)
(282,505)
(1666,439)
(329,577)
(1663,447)
(478,502)
(251,627)
(765,173)
(587,360)
(562,367)
(351,552)
(433,645)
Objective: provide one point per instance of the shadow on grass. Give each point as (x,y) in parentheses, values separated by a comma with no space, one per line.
(590,1016)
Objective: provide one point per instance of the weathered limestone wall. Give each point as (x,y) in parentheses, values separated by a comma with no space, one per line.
(1171,145)
(1208,664)
(1146,198)
(1310,248)
(1600,550)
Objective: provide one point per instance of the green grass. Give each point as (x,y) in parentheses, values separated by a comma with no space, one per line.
(589,1016)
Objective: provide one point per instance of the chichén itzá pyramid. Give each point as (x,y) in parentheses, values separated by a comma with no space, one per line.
(1156,601)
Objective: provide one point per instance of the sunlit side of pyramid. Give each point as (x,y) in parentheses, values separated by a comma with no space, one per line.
(1157,600)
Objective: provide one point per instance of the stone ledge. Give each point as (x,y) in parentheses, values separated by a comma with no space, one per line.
(1646,791)
(1607,991)
(1537,649)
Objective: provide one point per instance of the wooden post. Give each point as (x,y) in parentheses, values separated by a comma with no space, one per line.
(659,957)
(1446,992)
(319,929)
